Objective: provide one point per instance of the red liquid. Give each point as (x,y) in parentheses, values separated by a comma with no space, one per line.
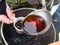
(33,22)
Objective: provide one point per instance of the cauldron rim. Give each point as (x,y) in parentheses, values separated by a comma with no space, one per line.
(17,10)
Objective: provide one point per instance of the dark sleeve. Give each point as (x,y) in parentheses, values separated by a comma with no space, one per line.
(2,7)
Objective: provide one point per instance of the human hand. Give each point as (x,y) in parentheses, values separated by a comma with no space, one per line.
(10,14)
(55,43)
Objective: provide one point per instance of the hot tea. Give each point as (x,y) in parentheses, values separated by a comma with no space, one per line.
(18,24)
(33,24)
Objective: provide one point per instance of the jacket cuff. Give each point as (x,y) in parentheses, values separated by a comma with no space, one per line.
(2,7)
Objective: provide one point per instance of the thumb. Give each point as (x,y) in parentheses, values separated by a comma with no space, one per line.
(4,19)
(10,13)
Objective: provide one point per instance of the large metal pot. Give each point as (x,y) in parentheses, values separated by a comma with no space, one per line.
(8,31)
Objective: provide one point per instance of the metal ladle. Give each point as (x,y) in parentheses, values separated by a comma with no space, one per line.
(44,13)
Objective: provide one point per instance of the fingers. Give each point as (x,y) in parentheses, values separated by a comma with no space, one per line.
(55,43)
(10,13)
(4,19)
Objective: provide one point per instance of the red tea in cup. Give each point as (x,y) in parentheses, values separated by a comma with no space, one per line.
(33,24)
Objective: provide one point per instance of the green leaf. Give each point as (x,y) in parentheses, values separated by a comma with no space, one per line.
(22,1)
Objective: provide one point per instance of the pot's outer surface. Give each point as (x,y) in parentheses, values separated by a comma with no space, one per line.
(11,37)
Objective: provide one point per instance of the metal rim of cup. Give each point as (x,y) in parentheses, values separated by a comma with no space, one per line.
(14,24)
(48,21)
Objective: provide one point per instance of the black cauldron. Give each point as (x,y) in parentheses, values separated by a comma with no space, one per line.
(11,37)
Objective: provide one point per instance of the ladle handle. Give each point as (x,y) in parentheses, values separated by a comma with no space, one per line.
(44,4)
